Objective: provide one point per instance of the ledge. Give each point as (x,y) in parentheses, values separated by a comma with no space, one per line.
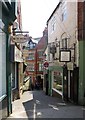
(2,97)
(60,93)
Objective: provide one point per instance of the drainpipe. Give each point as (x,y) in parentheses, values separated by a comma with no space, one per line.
(8,73)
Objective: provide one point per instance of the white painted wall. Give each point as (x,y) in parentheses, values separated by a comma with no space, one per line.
(2,63)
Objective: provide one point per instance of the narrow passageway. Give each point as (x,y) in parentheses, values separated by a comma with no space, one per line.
(35,104)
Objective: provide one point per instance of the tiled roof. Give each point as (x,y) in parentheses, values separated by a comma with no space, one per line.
(42,43)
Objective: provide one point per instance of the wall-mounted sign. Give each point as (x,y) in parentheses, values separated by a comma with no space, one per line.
(65,56)
(20,38)
(18,55)
(15,54)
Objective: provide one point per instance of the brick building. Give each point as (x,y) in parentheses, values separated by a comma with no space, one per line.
(33,54)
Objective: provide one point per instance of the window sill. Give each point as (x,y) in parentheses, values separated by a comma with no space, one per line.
(2,97)
(57,91)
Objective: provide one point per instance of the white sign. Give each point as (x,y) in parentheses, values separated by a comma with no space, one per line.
(18,55)
(20,38)
(65,56)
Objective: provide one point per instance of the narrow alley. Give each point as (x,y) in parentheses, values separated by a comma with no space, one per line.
(35,104)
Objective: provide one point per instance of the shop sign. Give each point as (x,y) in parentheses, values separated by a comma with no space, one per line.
(65,56)
(18,55)
(20,38)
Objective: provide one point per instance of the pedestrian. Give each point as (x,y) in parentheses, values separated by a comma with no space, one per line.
(32,86)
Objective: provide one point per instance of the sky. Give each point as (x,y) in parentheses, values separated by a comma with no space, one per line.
(35,14)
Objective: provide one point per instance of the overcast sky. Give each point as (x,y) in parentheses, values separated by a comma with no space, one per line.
(35,14)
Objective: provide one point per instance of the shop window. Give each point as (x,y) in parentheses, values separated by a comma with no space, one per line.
(57,80)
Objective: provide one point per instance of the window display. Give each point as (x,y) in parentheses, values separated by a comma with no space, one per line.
(57,80)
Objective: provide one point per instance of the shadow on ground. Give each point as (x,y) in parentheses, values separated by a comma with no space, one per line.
(43,106)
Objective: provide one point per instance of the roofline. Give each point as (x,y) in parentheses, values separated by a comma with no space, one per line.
(54,11)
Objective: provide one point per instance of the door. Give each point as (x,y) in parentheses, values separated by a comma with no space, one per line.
(65,83)
(76,79)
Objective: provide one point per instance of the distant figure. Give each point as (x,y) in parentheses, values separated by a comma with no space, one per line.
(31,84)
(37,86)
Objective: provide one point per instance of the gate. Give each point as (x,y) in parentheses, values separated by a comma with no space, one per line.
(74,78)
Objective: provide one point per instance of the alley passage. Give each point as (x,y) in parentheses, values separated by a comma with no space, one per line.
(35,104)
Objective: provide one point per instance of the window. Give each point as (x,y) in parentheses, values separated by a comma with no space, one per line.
(53,24)
(64,43)
(30,67)
(40,53)
(31,45)
(30,56)
(64,10)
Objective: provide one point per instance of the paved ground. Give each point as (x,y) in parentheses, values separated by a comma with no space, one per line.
(35,104)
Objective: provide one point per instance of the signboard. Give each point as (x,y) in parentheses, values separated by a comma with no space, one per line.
(20,38)
(65,56)
(18,55)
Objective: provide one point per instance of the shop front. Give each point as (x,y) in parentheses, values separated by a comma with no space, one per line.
(7,17)
(16,72)
(55,79)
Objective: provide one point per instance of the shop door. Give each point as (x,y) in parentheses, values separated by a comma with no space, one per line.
(76,79)
(65,83)
(46,76)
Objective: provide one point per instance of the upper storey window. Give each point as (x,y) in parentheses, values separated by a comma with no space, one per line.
(31,45)
(64,10)
(53,24)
